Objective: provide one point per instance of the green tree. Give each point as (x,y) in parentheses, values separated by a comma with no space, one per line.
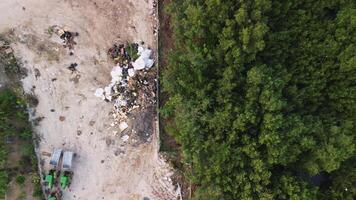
(261,85)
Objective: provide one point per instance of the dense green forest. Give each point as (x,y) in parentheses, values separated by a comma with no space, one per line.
(262,96)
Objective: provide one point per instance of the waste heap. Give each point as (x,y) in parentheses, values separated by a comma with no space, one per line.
(129,87)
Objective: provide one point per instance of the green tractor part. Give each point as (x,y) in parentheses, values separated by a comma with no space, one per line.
(66,168)
(65,179)
(49,180)
(52,198)
(50,177)
(56,195)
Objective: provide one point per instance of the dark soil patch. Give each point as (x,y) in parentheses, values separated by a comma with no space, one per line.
(144,123)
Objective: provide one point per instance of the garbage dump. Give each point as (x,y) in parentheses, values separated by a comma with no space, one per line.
(129,87)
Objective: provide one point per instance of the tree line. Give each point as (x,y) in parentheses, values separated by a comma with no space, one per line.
(262,94)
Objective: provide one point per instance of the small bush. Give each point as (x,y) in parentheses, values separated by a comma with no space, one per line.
(26,134)
(20,180)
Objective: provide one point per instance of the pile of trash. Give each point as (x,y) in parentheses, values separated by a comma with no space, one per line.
(127,77)
(66,35)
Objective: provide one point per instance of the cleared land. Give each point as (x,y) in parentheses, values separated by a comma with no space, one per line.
(105,167)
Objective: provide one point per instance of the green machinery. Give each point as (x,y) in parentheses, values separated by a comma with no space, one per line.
(59,176)
(50,177)
(65,179)
(66,174)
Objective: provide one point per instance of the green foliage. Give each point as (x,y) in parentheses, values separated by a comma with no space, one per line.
(343,182)
(131,49)
(3,183)
(3,155)
(14,124)
(288,187)
(261,85)
(37,187)
(26,134)
(20,179)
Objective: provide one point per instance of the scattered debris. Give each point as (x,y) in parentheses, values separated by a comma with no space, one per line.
(144,60)
(75,79)
(108,141)
(131,72)
(45,153)
(36,121)
(100,93)
(3,43)
(72,67)
(123,126)
(125,138)
(119,152)
(62,118)
(8,51)
(66,35)
(37,73)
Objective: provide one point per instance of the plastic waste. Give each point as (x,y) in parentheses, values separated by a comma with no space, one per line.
(131,72)
(99,93)
(123,126)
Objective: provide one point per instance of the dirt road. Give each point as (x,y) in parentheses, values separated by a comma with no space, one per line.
(106,167)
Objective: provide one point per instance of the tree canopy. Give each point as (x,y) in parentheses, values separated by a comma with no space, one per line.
(263,96)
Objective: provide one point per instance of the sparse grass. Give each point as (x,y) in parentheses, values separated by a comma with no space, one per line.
(8,61)
(50,31)
(15,130)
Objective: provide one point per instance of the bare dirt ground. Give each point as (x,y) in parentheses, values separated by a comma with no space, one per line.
(105,167)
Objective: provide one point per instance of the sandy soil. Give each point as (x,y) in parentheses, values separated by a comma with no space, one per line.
(105,166)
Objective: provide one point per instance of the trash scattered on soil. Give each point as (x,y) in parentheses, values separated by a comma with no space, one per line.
(62,118)
(91,123)
(37,73)
(73,67)
(66,35)
(125,138)
(143,61)
(129,86)
(123,126)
